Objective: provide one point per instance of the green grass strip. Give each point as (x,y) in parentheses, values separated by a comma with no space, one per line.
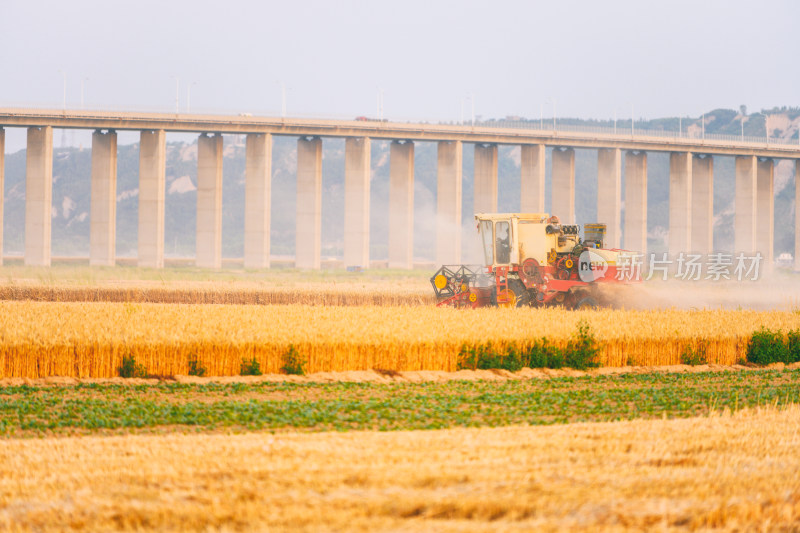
(27,411)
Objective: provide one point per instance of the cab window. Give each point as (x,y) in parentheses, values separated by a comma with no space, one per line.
(502,242)
(486,234)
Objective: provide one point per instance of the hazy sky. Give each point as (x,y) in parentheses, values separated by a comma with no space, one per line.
(594,58)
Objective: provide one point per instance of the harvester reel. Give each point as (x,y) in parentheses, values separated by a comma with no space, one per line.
(452,279)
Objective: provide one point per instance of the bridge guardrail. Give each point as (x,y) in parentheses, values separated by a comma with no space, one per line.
(545,126)
(624,130)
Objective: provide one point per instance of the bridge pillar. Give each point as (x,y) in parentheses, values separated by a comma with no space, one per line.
(448,203)
(797,214)
(702,204)
(401,205)
(38,195)
(765,211)
(308,233)
(208,247)
(103,207)
(485,184)
(563,180)
(152,175)
(745,204)
(2,186)
(531,163)
(356,201)
(636,201)
(257,200)
(680,203)
(609,193)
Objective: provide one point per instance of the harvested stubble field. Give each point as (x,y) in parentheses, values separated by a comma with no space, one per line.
(347,294)
(88,408)
(723,472)
(90,339)
(64,283)
(189,285)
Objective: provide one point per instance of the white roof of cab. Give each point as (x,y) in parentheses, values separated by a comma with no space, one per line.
(536,217)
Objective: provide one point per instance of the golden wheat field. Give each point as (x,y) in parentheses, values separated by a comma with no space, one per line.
(89,339)
(724,472)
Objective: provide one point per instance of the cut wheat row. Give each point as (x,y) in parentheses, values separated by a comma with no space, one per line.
(90,339)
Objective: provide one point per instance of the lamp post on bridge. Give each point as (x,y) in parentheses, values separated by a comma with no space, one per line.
(283,98)
(541,116)
(553,101)
(64,94)
(472,102)
(380,104)
(471,98)
(177,94)
(83,81)
(189,96)
(766,130)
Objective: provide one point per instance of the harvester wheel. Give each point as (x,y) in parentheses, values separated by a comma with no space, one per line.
(521,295)
(586,303)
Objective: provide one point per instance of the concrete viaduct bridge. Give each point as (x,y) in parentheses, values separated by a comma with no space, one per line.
(690,187)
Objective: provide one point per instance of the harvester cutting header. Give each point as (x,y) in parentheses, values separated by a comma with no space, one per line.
(531,259)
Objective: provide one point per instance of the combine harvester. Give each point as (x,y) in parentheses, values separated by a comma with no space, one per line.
(534,260)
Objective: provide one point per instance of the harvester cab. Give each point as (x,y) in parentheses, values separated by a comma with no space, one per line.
(533,259)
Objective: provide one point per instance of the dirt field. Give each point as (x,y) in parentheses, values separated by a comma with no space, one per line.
(722,472)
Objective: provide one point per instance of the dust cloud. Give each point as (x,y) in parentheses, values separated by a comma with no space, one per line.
(779,291)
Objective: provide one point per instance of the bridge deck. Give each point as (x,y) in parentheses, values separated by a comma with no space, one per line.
(240,124)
